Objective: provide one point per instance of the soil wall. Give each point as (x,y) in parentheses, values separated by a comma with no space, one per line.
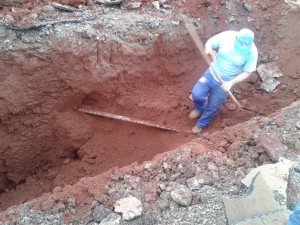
(43,88)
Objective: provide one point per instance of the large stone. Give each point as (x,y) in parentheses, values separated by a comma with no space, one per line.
(259,201)
(272,146)
(99,212)
(129,207)
(274,175)
(268,72)
(182,196)
(193,183)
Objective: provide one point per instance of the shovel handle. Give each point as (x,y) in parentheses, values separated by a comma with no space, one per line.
(200,46)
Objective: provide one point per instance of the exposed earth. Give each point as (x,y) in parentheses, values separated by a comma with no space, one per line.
(139,62)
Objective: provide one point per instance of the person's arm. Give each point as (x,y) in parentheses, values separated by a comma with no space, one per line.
(241,77)
(209,49)
(213,44)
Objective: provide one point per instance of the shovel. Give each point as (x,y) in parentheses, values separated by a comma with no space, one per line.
(200,46)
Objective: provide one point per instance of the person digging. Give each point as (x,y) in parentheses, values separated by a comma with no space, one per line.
(234,58)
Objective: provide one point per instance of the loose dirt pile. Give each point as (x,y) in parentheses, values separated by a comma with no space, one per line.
(139,63)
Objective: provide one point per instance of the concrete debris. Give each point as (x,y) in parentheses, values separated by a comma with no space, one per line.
(259,201)
(293,187)
(182,196)
(278,218)
(268,72)
(129,207)
(112,219)
(275,176)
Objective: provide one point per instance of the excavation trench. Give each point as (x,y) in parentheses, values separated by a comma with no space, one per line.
(48,142)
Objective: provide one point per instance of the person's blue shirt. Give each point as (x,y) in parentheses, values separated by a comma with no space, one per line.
(230,60)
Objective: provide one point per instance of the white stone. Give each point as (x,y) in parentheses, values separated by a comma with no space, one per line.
(268,72)
(182,196)
(156,5)
(129,207)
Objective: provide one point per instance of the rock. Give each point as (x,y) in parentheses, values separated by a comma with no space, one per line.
(47,205)
(204,179)
(134,182)
(192,183)
(297,125)
(63,7)
(131,5)
(66,161)
(129,207)
(204,198)
(59,207)
(71,201)
(241,161)
(109,2)
(259,201)
(112,219)
(156,5)
(150,197)
(8,19)
(163,204)
(268,72)
(163,2)
(182,196)
(247,7)
(293,187)
(99,212)
(279,122)
(297,146)
(263,158)
(149,167)
(211,167)
(235,148)
(271,144)
(48,9)
(234,190)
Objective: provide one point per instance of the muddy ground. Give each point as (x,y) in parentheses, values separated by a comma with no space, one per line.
(140,63)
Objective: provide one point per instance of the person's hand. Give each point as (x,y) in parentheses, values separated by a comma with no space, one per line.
(211,54)
(227,86)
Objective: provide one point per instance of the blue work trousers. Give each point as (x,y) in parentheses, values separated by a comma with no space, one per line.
(208,97)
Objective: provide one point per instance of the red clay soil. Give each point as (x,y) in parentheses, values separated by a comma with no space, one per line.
(48,143)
